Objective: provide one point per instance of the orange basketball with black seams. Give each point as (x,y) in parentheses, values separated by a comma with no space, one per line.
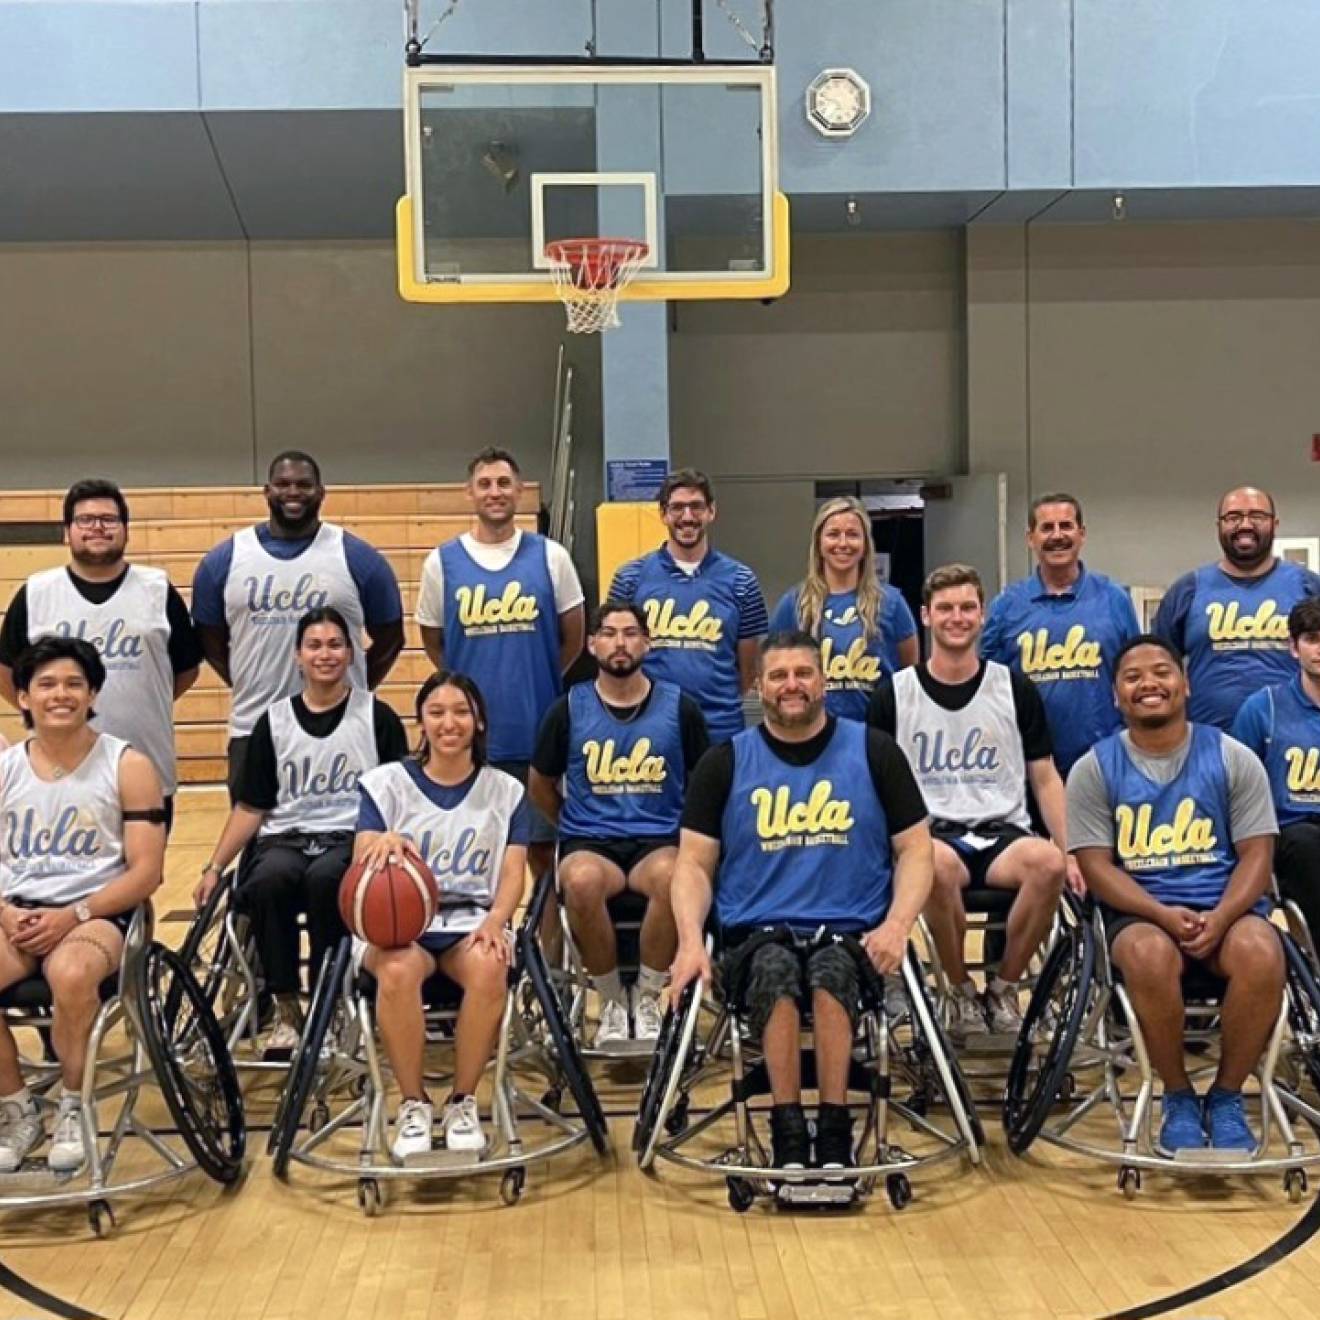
(392,905)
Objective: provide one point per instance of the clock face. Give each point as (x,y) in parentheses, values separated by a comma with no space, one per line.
(838,101)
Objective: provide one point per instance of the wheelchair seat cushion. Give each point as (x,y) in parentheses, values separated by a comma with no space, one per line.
(32,994)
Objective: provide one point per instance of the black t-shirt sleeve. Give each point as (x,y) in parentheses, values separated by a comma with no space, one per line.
(692,729)
(1032,722)
(708,792)
(895,784)
(391,739)
(882,713)
(185,649)
(259,787)
(550,756)
(13,632)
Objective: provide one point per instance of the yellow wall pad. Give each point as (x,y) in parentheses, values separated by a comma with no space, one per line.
(624,531)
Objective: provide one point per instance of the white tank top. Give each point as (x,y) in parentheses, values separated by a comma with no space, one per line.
(264,599)
(464,846)
(131,633)
(61,840)
(318,777)
(969,762)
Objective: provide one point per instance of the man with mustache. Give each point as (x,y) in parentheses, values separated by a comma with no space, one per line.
(1230,618)
(1061,627)
(1174,829)
(250,591)
(623,747)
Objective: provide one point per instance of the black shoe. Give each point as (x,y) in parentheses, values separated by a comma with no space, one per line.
(834,1146)
(790,1141)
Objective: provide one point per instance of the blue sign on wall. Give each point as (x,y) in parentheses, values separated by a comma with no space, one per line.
(632,479)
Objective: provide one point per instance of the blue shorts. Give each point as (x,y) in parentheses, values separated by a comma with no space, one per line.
(436,942)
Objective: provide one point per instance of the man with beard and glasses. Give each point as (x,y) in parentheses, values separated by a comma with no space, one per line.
(505,607)
(132,615)
(813,823)
(1281,724)
(705,609)
(1230,618)
(1174,828)
(1061,627)
(250,591)
(623,746)
(975,733)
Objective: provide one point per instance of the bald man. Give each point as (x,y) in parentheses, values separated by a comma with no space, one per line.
(1230,618)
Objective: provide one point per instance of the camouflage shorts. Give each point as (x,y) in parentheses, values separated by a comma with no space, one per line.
(781,971)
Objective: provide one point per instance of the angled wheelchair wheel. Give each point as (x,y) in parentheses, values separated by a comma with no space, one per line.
(192,1063)
(1050,1029)
(1303,991)
(670,1055)
(201,950)
(301,1079)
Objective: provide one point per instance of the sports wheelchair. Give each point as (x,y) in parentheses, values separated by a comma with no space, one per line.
(154,1026)
(1081,1041)
(916,1061)
(338,1081)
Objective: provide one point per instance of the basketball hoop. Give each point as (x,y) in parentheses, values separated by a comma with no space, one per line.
(590,274)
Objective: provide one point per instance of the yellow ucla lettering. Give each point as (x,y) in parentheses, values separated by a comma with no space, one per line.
(1229,624)
(778,816)
(854,663)
(1074,652)
(1303,769)
(605,766)
(1188,832)
(476,608)
(665,622)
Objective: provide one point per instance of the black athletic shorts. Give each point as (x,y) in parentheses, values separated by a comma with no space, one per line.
(1116,922)
(624,853)
(977,858)
(123,920)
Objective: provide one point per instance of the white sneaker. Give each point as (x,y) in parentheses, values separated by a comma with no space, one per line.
(613,1025)
(461,1125)
(896,1003)
(1004,1011)
(66,1145)
(412,1130)
(21,1132)
(966,1017)
(647,1017)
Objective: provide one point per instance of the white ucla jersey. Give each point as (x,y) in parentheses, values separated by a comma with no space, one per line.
(264,599)
(131,633)
(62,839)
(318,777)
(464,847)
(969,762)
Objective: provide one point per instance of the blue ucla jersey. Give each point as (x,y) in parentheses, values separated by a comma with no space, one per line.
(804,845)
(1173,839)
(502,630)
(1234,632)
(1066,644)
(1282,726)
(853,664)
(624,778)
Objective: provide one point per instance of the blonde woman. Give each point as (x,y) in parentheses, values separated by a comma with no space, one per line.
(864,626)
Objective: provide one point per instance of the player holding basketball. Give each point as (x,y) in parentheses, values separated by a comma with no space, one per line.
(82,821)
(705,610)
(506,607)
(132,615)
(468,822)
(1061,627)
(865,629)
(251,590)
(297,806)
(1230,618)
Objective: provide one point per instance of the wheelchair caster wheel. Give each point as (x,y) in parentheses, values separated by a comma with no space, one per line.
(320,1117)
(677,1118)
(511,1186)
(1067,1088)
(101,1218)
(1129,1183)
(1294,1183)
(553,1098)
(369,1197)
(899,1190)
(741,1195)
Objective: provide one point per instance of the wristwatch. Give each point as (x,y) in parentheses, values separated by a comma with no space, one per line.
(82,912)
(211,866)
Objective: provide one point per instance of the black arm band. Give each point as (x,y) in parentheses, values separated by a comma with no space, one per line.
(152,815)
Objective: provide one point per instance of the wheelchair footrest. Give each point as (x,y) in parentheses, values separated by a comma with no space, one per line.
(1207,1155)
(816,1193)
(625,1049)
(440,1158)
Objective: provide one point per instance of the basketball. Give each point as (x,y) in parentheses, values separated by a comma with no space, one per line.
(392,905)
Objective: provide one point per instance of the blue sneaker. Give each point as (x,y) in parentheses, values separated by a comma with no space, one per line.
(1181,1127)
(1226,1122)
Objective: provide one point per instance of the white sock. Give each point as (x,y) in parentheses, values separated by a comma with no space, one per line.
(72,1096)
(22,1098)
(650,982)
(999,986)
(609,985)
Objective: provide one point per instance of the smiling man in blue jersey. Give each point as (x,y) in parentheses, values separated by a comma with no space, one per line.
(1061,627)
(705,610)
(1230,618)
(1174,829)
(623,747)
(1281,724)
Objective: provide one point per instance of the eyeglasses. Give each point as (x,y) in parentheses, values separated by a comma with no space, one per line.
(1257,518)
(86,521)
(680,507)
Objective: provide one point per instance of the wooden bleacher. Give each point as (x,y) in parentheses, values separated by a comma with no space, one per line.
(173,529)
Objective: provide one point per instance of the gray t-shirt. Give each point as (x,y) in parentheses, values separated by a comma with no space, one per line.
(1091,815)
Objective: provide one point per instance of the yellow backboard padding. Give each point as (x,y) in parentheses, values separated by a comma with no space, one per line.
(624,531)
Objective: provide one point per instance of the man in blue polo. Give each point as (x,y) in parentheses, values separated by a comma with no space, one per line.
(1281,724)
(704,609)
(1230,618)
(1061,627)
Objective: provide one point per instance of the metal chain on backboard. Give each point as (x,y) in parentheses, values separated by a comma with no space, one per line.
(767,26)
(412,17)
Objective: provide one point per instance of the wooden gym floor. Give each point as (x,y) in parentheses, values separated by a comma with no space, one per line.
(1047,1237)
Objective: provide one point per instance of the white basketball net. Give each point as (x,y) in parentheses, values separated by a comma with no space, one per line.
(590,274)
